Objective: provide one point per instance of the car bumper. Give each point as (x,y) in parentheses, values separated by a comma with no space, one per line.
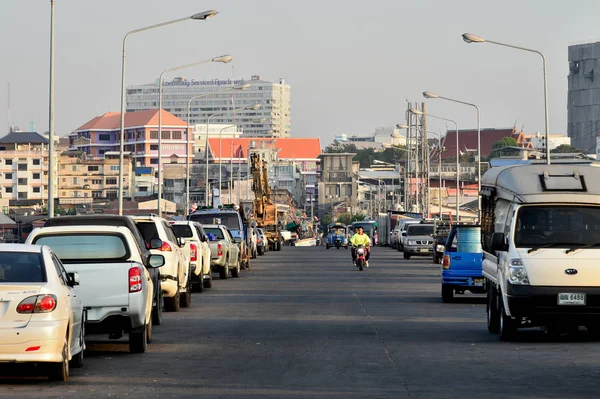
(542,303)
(196,268)
(418,251)
(48,335)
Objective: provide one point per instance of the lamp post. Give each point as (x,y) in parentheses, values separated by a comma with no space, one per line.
(224,59)
(471,38)
(249,108)
(51,119)
(428,94)
(187,166)
(417,112)
(199,17)
(411,152)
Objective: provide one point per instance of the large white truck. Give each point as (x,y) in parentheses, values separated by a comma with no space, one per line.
(540,231)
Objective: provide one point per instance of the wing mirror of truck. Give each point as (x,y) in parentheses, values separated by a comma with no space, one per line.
(155,243)
(404,234)
(499,242)
(73,279)
(181,241)
(156,261)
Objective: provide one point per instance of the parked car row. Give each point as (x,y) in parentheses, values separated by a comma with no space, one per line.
(103,274)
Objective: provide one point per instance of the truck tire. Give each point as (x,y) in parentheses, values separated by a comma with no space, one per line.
(261,251)
(235,272)
(406,255)
(447,293)
(208,282)
(493,321)
(172,304)
(158,309)
(224,271)
(507,329)
(138,341)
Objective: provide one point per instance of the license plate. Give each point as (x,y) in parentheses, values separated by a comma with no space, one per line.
(424,250)
(571,299)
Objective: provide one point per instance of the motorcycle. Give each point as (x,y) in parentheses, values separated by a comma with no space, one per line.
(361,260)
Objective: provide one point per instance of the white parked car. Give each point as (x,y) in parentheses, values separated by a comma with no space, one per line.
(42,318)
(225,252)
(197,250)
(115,288)
(175,274)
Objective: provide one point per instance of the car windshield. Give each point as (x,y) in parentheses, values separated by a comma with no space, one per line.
(182,230)
(420,230)
(229,219)
(85,247)
(214,234)
(560,226)
(22,267)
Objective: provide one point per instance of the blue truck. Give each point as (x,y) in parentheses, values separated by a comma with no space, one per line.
(462,261)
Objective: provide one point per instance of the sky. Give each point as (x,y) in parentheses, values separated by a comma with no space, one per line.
(352,65)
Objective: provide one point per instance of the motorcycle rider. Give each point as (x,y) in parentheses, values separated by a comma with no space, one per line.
(360,238)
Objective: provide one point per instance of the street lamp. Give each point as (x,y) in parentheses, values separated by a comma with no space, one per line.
(248,108)
(187,173)
(417,112)
(200,17)
(428,94)
(225,59)
(471,38)
(51,120)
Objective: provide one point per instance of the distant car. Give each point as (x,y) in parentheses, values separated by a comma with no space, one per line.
(175,274)
(42,315)
(262,242)
(197,250)
(419,240)
(225,252)
(403,229)
(114,286)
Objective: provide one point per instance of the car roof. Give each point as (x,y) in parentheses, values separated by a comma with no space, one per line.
(21,248)
(82,229)
(186,222)
(214,225)
(147,217)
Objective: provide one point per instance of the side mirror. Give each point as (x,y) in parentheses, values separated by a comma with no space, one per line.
(156,261)
(155,243)
(499,242)
(181,241)
(404,234)
(73,279)
(203,238)
(237,240)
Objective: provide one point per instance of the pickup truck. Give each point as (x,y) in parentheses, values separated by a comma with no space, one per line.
(197,251)
(225,253)
(462,262)
(441,230)
(114,286)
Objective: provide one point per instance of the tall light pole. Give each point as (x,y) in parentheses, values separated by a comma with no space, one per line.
(428,94)
(225,59)
(199,17)
(187,166)
(51,119)
(417,112)
(471,38)
(249,108)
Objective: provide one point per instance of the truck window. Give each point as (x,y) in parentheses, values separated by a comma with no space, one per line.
(419,230)
(86,247)
(214,233)
(183,230)
(229,219)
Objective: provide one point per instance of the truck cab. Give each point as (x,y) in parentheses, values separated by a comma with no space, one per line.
(461,264)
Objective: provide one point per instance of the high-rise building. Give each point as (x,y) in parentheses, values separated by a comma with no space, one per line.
(273,97)
(583,105)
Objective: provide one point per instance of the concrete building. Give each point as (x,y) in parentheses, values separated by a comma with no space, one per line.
(24,166)
(82,178)
(583,101)
(538,140)
(382,135)
(273,97)
(144,182)
(337,183)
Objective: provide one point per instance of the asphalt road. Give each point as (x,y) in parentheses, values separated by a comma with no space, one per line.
(303,323)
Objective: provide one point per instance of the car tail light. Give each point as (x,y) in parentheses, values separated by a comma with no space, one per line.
(135,279)
(219,249)
(446,262)
(166,247)
(37,304)
(193,252)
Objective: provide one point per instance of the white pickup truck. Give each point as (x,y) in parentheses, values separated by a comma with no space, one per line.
(114,286)
(224,251)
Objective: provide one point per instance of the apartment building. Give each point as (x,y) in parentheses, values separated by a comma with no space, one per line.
(24,166)
(82,178)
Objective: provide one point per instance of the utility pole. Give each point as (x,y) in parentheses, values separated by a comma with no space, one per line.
(51,173)
(408,169)
(426,194)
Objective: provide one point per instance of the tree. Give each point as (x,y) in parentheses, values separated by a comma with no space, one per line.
(337,147)
(348,218)
(499,147)
(565,148)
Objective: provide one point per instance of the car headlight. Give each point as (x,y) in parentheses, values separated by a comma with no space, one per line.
(412,242)
(439,248)
(517,274)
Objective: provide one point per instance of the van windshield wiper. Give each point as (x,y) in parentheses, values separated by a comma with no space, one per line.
(582,247)
(549,245)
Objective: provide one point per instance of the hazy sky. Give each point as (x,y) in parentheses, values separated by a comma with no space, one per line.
(351,64)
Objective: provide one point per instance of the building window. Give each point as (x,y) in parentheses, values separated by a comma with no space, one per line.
(111,180)
(166,134)
(22,167)
(143,189)
(96,194)
(176,135)
(114,168)
(104,137)
(36,190)
(8,176)
(153,147)
(111,194)
(36,162)
(8,189)
(154,135)
(74,181)
(22,195)
(22,182)
(74,168)
(36,176)
(8,161)
(154,161)
(96,181)
(94,168)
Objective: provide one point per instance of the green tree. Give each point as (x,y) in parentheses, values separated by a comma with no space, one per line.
(337,147)
(348,218)
(565,148)
(327,219)
(499,147)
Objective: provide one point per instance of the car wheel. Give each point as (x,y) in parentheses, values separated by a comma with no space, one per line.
(235,272)
(406,255)
(149,333)
(224,271)
(77,360)
(493,320)
(447,293)
(158,308)
(138,341)
(172,304)
(208,282)
(261,251)
(198,287)
(507,328)
(60,371)
(185,299)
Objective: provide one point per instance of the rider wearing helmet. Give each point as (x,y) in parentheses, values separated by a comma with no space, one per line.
(360,238)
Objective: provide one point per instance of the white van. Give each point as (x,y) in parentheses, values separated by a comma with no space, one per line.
(541,242)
